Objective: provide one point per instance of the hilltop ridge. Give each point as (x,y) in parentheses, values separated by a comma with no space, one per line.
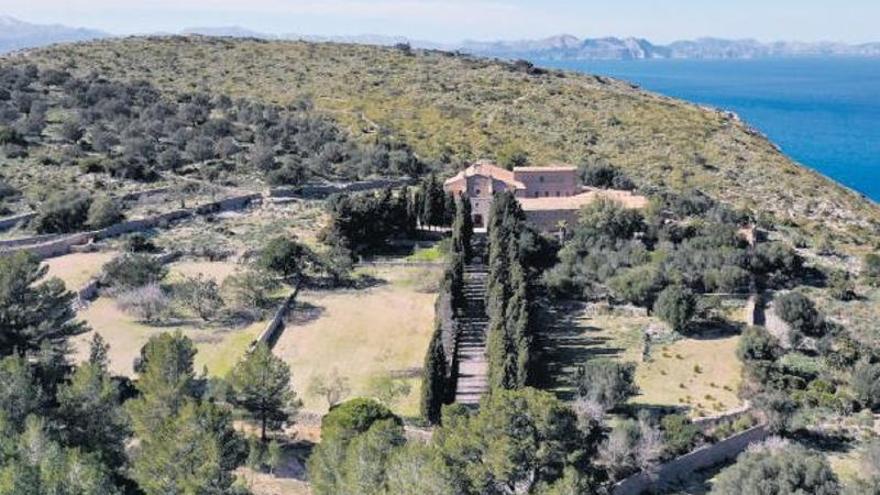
(453,108)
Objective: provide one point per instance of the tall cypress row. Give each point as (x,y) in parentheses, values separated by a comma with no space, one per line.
(509,339)
(518,325)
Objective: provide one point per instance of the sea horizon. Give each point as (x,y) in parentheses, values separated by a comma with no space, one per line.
(822,112)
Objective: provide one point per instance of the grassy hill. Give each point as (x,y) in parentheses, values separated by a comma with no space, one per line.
(452,109)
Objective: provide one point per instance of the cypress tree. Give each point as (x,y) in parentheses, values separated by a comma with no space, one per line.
(462,227)
(497,342)
(518,325)
(411,210)
(455,278)
(417,206)
(434,378)
(449,209)
(509,339)
(433,202)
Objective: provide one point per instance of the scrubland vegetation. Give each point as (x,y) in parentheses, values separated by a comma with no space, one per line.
(452,108)
(610,346)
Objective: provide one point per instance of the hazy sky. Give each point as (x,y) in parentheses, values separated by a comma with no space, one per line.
(453,20)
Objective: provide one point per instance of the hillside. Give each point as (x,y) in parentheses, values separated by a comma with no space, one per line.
(453,109)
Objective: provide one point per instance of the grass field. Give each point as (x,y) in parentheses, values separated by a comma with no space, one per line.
(218,347)
(219,344)
(76,269)
(216,270)
(699,374)
(362,334)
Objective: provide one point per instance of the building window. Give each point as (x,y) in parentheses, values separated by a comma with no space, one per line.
(478,192)
(557,194)
(541,178)
(546,193)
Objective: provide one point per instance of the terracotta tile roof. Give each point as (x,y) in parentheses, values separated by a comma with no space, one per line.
(578,201)
(487,169)
(548,168)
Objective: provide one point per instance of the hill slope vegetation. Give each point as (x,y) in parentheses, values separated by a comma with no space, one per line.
(453,108)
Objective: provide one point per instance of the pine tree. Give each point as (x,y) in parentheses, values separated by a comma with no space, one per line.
(261,385)
(34,312)
(166,380)
(191,451)
(91,394)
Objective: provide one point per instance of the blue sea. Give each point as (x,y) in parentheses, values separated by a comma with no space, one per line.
(822,112)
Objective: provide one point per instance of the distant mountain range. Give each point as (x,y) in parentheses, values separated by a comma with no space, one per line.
(16,34)
(567,47)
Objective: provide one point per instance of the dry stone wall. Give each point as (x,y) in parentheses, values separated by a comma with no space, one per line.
(9,222)
(324,190)
(670,473)
(59,245)
(269,335)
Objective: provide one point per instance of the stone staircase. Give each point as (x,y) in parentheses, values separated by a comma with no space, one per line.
(473,366)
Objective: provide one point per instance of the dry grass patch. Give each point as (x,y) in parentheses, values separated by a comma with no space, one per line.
(76,269)
(362,334)
(215,270)
(701,374)
(220,344)
(218,348)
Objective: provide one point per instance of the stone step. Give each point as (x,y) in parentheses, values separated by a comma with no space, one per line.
(473,366)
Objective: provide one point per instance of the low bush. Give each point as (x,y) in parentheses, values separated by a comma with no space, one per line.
(64,211)
(607,382)
(680,435)
(149,303)
(133,270)
(104,212)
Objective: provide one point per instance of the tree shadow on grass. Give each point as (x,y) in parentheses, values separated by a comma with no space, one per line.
(632,409)
(711,329)
(825,442)
(697,483)
(295,455)
(304,312)
(358,282)
(564,344)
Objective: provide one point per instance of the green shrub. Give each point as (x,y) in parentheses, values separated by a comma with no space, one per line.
(778,468)
(9,135)
(61,212)
(799,312)
(104,212)
(679,434)
(638,285)
(605,176)
(133,270)
(676,306)
(607,383)
(866,383)
(871,270)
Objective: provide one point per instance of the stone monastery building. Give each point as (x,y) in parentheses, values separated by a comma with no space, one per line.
(549,195)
